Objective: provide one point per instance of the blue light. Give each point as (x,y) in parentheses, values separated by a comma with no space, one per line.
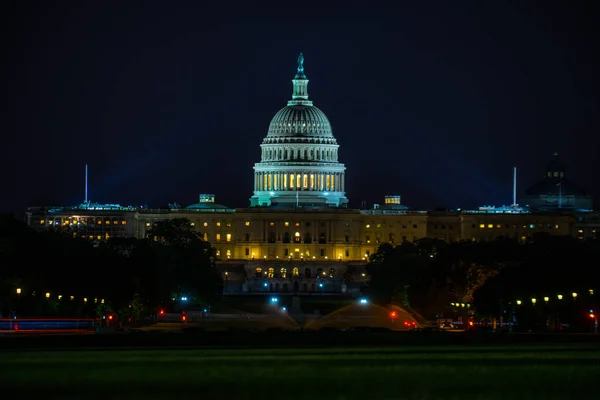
(205,310)
(274,299)
(284,308)
(363,301)
(184,298)
(320,284)
(266,284)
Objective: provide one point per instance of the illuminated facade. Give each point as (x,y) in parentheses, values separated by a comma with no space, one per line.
(298,234)
(299,157)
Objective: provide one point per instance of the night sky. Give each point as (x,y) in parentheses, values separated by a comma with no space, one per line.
(434,100)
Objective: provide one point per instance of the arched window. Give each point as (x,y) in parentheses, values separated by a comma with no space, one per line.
(295,272)
(283,272)
(258,272)
(307,273)
(286,237)
(271,273)
(297,237)
(307,238)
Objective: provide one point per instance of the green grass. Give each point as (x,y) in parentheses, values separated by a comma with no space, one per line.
(515,372)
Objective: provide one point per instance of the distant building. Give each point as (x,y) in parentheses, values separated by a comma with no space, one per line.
(298,236)
(555,192)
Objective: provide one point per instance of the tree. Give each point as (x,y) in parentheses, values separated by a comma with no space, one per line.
(185,262)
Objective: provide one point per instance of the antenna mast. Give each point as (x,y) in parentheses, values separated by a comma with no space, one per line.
(86,183)
(514,186)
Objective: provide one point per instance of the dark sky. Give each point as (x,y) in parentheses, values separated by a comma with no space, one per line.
(434,100)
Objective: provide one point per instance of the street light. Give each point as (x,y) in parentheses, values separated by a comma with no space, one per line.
(47,295)
(574,295)
(534,300)
(560,296)
(546,299)
(519,302)
(19,291)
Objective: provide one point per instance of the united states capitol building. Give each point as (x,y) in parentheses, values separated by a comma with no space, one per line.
(299,235)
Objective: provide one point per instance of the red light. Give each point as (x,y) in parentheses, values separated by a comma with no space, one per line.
(183,317)
(470,323)
(162,312)
(110,317)
(393,314)
(592,315)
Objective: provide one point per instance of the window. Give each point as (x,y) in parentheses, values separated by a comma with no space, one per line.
(367,226)
(147,223)
(247,237)
(271,273)
(482,226)
(247,251)
(286,252)
(271,223)
(347,253)
(218,224)
(123,222)
(205,224)
(283,272)
(490,226)
(286,223)
(297,237)
(368,239)
(297,224)
(229,237)
(218,237)
(247,223)
(258,272)
(228,253)
(322,252)
(347,238)
(295,272)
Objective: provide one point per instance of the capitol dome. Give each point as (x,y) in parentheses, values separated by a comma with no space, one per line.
(299,156)
(300,120)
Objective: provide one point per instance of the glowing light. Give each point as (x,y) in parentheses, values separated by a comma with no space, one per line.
(519,302)
(560,296)
(184,298)
(18,290)
(47,295)
(574,295)
(85,299)
(546,299)
(363,301)
(534,300)
(274,300)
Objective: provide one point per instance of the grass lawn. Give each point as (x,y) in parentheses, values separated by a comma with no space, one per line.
(465,372)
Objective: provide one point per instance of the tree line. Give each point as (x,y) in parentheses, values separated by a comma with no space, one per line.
(437,278)
(51,273)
